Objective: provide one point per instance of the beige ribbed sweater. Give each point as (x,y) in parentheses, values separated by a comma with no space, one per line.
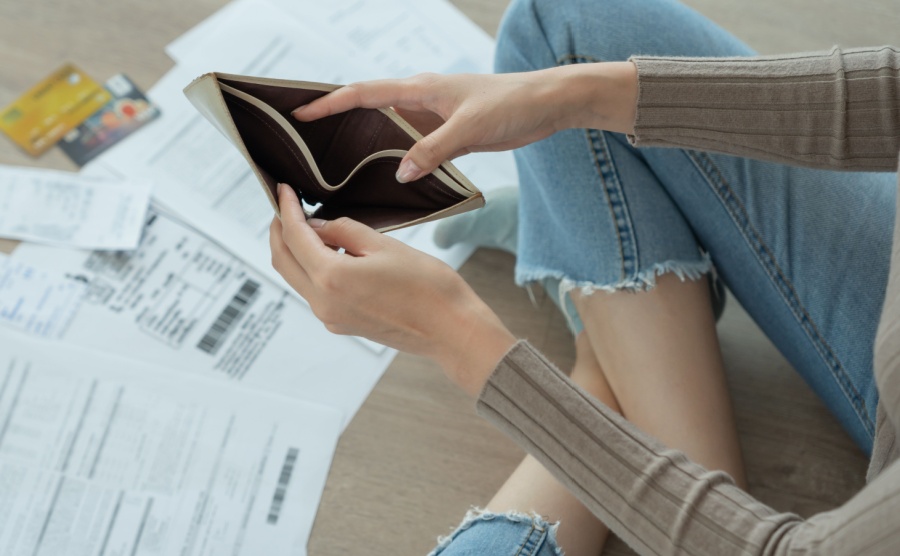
(836,110)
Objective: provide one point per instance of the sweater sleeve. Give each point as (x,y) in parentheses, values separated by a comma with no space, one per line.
(655,498)
(836,110)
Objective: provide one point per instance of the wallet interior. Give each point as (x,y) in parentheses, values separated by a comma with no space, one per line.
(324,168)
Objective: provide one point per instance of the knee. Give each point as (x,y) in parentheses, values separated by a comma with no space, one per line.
(521,42)
(537,34)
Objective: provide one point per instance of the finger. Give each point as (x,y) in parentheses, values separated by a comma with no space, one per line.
(428,153)
(425,121)
(357,239)
(283,261)
(303,242)
(367,94)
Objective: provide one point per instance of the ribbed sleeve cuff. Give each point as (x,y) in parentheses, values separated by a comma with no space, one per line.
(837,109)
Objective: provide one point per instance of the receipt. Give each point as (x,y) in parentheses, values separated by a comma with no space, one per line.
(69,210)
(37,301)
(103,455)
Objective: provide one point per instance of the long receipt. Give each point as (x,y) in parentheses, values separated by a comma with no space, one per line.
(101,455)
(70,210)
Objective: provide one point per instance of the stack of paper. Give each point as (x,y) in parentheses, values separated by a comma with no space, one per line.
(195,324)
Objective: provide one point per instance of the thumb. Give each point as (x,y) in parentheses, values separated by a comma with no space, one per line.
(428,153)
(355,238)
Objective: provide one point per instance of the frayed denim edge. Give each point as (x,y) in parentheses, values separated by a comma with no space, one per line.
(643,281)
(476,514)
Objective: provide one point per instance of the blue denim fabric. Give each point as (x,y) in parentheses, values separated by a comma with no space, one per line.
(806,252)
(484,533)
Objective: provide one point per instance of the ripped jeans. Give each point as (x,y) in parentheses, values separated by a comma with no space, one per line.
(806,252)
(511,534)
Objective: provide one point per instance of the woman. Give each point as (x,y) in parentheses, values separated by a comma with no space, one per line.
(806,251)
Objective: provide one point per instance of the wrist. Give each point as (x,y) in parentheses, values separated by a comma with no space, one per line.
(599,95)
(478,342)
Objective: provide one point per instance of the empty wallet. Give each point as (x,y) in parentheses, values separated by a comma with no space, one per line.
(340,165)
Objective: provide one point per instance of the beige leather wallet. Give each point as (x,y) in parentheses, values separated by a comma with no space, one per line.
(340,165)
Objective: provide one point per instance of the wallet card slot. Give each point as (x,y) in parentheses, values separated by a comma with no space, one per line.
(282,159)
(374,194)
(291,139)
(375,131)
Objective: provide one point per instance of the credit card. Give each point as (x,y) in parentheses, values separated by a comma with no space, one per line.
(128,110)
(50,109)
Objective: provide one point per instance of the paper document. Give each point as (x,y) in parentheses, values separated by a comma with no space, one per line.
(37,301)
(102,455)
(183,302)
(400,37)
(60,208)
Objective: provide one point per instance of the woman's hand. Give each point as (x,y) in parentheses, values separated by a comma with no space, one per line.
(384,290)
(468,113)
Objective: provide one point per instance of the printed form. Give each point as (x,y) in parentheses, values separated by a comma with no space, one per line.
(398,37)
(102,455)
(183,302)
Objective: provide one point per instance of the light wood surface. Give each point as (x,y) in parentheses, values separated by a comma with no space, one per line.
(416,457)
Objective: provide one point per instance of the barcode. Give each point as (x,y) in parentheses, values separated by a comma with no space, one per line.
(283,481)
(229,316)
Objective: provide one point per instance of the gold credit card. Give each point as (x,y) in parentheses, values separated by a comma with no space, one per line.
(52,108)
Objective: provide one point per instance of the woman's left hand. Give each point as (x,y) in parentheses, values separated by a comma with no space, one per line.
(384,290)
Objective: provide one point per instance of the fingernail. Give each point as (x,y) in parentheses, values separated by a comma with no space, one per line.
(315,222)
(408,171)
(278,189)
(297,111)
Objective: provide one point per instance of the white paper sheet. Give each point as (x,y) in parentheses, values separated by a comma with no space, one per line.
(103,455)
(37,301)
(60,208)
(401,37)
(183,302)
(398,37)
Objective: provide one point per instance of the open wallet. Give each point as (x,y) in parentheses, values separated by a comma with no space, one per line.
(340,165)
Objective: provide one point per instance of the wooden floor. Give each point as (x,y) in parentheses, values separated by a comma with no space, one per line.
(416,456)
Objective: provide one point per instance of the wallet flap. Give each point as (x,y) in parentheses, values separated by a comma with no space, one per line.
(206,96)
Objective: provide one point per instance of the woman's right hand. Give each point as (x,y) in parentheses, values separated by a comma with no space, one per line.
(463,113)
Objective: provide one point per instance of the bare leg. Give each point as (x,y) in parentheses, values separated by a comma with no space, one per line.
(532,488)
(660,354)
(661,368)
